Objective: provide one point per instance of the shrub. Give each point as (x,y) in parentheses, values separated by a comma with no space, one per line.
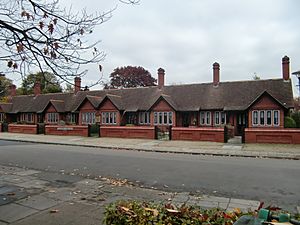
(289,122)
(142,213)
(296,118)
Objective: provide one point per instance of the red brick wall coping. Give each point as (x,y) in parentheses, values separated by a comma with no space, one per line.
(276,136)
(198,134)
(67,130)
(23,128)
(127,132)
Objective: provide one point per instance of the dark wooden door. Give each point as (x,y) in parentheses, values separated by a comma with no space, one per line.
(242,122)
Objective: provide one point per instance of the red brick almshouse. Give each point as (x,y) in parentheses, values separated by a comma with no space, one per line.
(254,108)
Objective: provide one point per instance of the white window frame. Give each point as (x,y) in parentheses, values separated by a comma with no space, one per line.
(220,115)
(88,117)
(109,118)
(163,118)
(265,118)
(205,116)
(52,117)
(278,119)
(217,118)
(144,118)
(255,118)
(271,116)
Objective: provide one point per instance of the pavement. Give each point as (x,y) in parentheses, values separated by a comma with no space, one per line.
(234,147)
(35,197)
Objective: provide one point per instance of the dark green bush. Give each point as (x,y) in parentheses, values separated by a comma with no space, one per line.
(296,118)
(289,122)
(141,213)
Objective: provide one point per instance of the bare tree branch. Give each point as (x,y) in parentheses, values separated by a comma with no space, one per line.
(38,35)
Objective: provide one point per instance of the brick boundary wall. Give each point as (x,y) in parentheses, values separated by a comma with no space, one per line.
(23,128)
(67,130)
(127,132)
(273,136)
(198,134)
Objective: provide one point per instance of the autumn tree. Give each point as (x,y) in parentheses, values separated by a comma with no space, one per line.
(38,34)
(4,86)
(130,76)
(49,83)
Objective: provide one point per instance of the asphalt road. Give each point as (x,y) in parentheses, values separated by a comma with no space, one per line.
(271,180)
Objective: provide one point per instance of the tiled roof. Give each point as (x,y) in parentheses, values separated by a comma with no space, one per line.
(191,97)
(6,107)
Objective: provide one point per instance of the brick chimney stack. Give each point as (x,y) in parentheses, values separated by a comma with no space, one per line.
(286,68)
(37,88)
(12,90)
(77,84)
(216,74)
(161,77)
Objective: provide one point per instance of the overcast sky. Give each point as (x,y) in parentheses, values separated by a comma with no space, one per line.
(187,37)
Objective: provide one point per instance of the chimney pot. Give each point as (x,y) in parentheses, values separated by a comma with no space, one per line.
(161,77)
(77,84)
(37,88)
(286,68)
(216,74)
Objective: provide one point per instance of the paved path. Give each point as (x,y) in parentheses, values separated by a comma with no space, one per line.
(180,147)
(42,197)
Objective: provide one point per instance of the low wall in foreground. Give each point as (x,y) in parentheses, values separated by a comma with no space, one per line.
(127,132)
(276,136)
(23,128)
(67,130)
(198,134)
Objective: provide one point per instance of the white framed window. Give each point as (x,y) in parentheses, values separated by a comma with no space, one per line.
(144,117)
(2,116)
(220,118)
(255,118)
(52,117)
(27,117)
(276,117)
(262,118)
(205,118)
(72,118)
(265,117)
(163,118)
(217,118)
(88,117)
(109,117)
(269,118)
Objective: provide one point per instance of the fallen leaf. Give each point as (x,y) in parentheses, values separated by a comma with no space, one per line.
(11,194)
(54,211)
(155,211)
(172,210)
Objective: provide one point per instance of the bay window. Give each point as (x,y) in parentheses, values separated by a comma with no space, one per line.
(88,117)
(220,118)
(109,117)
(163,118)
(205,118)
(144,118)
(265,118)
(52,117)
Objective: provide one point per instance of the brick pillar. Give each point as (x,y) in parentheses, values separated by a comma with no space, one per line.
(37,88)
(216,74)
(161,77)
(286,68)
(77,84)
